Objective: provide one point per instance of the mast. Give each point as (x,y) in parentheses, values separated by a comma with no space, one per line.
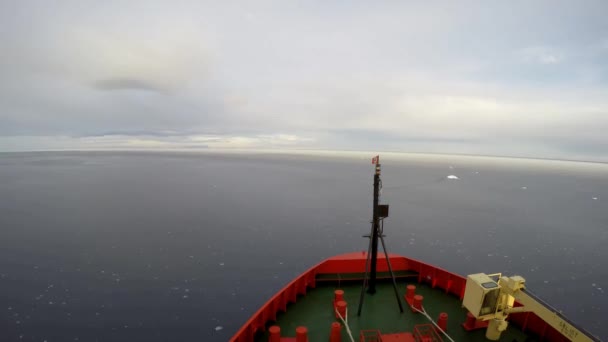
(375,228)
(380,212)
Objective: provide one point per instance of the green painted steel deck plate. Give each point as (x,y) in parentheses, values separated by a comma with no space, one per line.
(380,311)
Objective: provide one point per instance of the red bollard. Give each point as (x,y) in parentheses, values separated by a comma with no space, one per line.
(411,291)
(341,306)
(418,302)
(336,332)
(274,334)
(442,321)
(338,296)
(301,334)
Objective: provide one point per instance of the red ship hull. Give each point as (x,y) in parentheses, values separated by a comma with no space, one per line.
(354,263)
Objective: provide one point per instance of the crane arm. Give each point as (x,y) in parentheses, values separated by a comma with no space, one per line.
(550,315)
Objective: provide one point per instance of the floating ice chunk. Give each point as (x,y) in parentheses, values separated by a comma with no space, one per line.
(218,328)
(452,177)
(221,264)
(524,187)
(594,198)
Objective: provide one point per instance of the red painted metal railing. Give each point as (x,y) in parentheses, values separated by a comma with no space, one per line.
(426,333)
(370,336)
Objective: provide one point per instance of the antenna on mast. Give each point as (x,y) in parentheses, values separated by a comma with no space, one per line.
(379,213)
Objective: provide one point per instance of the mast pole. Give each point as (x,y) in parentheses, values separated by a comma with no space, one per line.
(380,212)
(375,229)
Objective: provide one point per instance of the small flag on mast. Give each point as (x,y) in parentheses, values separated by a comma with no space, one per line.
(376,160)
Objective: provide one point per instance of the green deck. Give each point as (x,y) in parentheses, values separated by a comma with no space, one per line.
(380,311)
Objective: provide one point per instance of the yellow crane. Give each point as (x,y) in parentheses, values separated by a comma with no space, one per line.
(491,297)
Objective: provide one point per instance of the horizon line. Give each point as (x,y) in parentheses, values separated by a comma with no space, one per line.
(287,151)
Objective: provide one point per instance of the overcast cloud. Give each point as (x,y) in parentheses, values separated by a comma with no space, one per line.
(519,78)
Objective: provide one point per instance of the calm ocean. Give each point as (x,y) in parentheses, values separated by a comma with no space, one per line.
(134,246)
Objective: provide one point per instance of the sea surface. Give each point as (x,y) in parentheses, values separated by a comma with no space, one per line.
(176,246)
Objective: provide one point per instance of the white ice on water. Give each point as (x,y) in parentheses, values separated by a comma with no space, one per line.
(218,328)
(452,177)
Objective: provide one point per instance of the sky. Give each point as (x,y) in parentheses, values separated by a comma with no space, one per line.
(507,78)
